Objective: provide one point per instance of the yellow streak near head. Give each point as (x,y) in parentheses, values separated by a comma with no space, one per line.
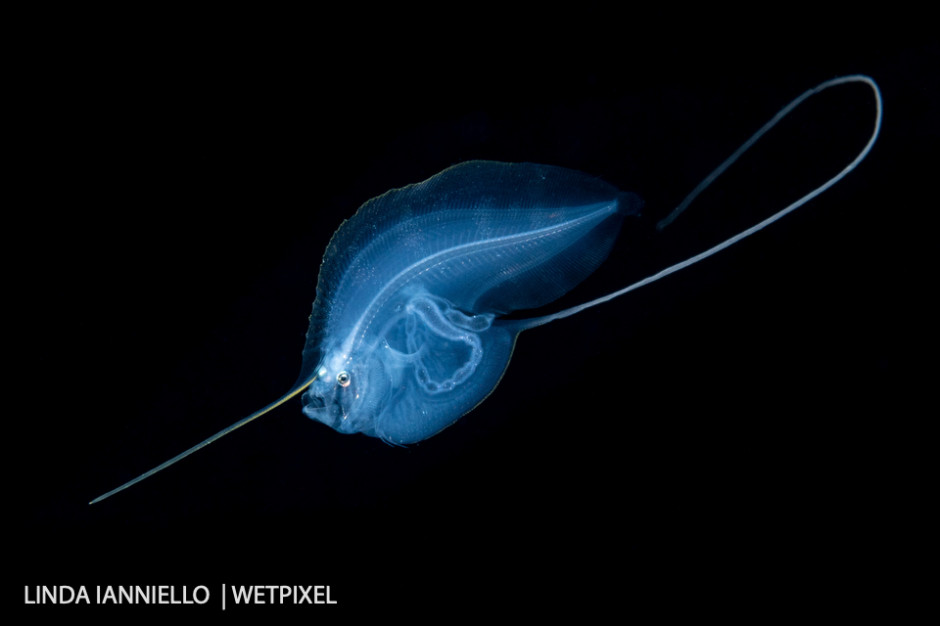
(290,394)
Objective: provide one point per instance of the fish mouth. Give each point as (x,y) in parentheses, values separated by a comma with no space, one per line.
(314,402)
(330,413)
(315,408)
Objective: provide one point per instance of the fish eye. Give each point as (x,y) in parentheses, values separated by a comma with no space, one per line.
(343,379)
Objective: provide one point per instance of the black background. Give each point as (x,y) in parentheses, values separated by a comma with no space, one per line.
(740,437)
